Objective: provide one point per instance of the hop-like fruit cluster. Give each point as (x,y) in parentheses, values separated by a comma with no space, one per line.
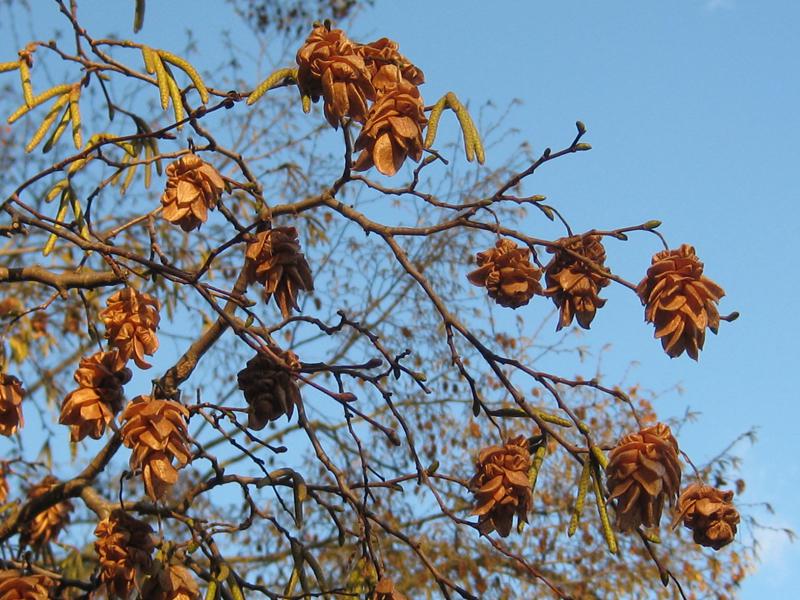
(39,323)
(156,431)
(329,66)
(350,76)
(501,486)
(193,189)
(46,525)
(680,301)
(709,513)
(269,389)
(15,586)
(171,582)
(90,408)
(124,546)
(387,66)
(274,259)
(385,590)
(3,483)
(507,274)
(131,319)
(574,285)
(395,122)
(393,131)
(11,395)
(643,472)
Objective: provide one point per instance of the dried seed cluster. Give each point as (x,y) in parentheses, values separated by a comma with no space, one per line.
(385,590)
(15,586)
(680,301)
(372,84)
(46,525)
(507,274)
(11,395)
(678,298)
(89,409)
(124,547)
(710,514)
(170,582)
(501,485)
(274,259)
(643,472)
(131,319)
(270,390)
(574,284)
(193,189)
(3,483)
(156,431)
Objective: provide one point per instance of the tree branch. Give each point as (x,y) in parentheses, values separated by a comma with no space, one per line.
(86,280)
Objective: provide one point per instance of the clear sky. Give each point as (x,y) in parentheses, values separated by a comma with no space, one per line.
(693,112)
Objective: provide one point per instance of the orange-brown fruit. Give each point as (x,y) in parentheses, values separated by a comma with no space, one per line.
(15,586)
(643,472)
(501,485)
(46,525)
(156,431)
(680,301)
(709,513)
(274,259)
(91,407)
(270,390)
(385,590)
(393,131)
(3,483)
(171,582)
(507,274)
(39,323)
(131,319)
(11,395)
(11,307)
(385,52)
(572,284)
(124,547)
(73,320)
(193,189)
(328,66)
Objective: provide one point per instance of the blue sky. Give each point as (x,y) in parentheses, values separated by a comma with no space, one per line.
(692,110)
